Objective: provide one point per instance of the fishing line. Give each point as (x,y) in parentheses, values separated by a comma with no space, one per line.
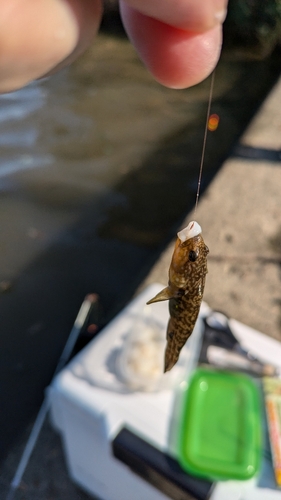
(204,141)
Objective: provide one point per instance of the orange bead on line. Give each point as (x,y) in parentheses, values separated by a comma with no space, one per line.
(213,122)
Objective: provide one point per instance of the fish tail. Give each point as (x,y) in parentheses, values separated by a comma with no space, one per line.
(171,357)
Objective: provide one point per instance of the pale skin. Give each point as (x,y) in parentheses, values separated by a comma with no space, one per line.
(178,40)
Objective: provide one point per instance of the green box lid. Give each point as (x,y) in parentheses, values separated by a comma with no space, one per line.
(220,428)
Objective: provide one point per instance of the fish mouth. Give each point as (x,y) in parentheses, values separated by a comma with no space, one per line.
(193,229)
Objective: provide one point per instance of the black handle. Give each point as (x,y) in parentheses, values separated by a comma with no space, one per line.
(158,468)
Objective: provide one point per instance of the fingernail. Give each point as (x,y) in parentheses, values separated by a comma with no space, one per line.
(220,10)
(220,15)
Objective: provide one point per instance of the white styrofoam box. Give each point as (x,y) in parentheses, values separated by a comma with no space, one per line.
(247,490)
(90,403)
(90,461)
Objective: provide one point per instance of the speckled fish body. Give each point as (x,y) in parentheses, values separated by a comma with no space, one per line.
(187,274)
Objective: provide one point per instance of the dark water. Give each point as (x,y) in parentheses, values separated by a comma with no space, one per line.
(98,166)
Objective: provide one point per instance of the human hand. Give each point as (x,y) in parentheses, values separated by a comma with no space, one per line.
(178,40)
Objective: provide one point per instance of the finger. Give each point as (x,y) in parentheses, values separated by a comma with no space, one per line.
(194,15)
(35,36)
(176,58)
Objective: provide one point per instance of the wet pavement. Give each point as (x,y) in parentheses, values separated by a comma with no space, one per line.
(98,167)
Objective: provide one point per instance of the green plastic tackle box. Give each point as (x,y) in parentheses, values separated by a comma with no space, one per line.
(220,427)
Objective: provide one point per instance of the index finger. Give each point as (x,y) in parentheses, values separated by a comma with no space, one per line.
(176,58)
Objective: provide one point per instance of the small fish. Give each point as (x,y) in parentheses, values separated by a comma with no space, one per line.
(185,289)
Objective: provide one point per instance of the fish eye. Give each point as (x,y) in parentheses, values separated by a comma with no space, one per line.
(192,256)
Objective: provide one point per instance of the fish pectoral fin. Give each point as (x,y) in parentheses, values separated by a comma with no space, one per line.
(165,294)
